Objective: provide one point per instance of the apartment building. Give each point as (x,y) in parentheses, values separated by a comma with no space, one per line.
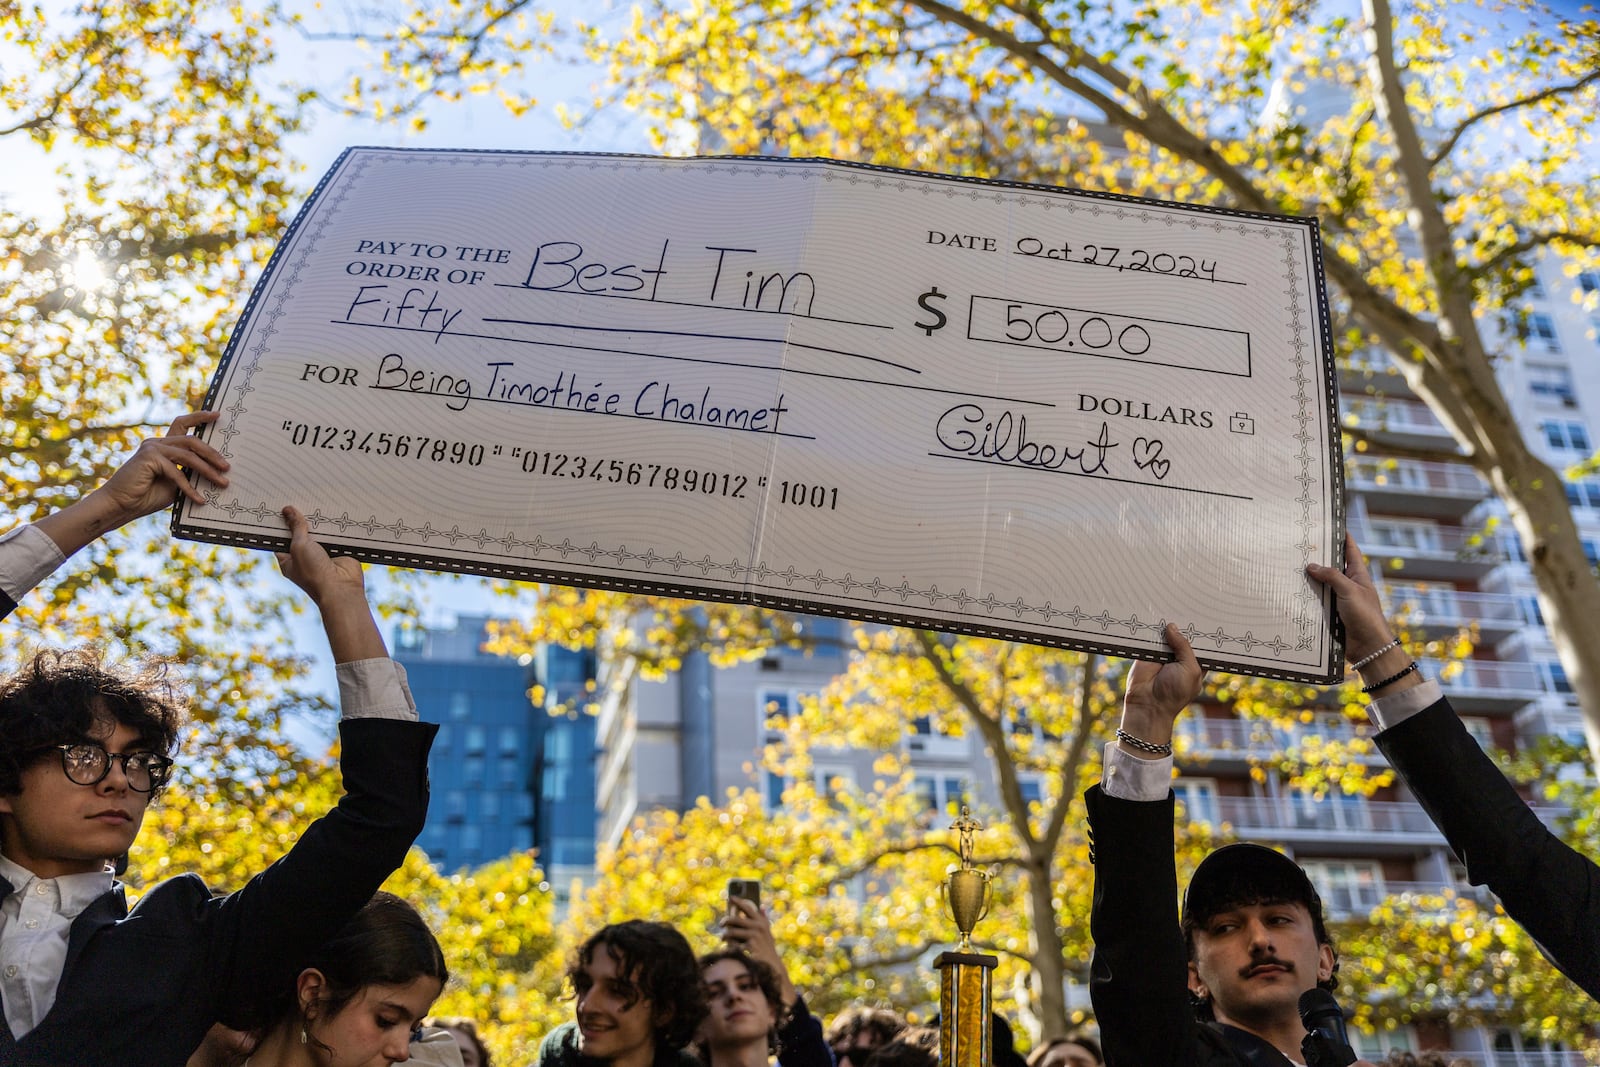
(1446,560)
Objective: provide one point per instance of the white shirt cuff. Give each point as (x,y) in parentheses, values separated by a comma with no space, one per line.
(1128,777)
(27,559)
(1394,710)
(374,689)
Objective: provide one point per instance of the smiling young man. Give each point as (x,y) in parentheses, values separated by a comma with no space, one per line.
(1223,987)
(638,1001)
(83,750)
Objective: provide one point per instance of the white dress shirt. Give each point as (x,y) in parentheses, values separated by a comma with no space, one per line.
(37,916)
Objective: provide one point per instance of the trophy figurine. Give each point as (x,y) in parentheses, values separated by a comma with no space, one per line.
(966,889)
(965,1021)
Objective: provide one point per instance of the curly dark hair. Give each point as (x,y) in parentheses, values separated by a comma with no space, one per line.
(881,1023)
(766,981)
(66,697)
(915,1046)
(659,966)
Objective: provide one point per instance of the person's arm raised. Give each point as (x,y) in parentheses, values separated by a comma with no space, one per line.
(336,585)
(147,481)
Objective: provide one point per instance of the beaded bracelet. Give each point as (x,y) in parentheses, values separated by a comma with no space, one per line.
(1364,660)
(1391,679)
(1142,745)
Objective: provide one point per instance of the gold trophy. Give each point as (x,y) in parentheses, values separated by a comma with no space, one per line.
(965,1035)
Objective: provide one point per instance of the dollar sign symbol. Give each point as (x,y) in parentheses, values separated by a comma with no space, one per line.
(938,316)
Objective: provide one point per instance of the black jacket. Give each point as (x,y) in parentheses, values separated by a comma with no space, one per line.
(1550,890)
(1139,978)
(140,988)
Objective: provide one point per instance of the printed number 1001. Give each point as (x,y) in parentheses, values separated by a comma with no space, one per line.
(802,495)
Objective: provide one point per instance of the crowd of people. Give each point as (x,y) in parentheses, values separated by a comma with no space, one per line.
(310,964)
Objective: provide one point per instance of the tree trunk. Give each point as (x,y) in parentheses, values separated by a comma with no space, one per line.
(1049,967)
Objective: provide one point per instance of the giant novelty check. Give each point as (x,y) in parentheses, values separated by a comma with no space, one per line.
(988,408)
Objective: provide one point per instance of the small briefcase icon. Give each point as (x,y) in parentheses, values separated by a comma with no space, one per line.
(1239,422)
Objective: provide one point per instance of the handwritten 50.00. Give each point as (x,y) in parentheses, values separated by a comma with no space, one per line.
(623,472)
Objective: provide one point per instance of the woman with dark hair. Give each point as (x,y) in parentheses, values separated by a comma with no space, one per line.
(360,998)
(750,1020)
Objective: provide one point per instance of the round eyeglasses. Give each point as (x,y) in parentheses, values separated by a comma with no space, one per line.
(87,764)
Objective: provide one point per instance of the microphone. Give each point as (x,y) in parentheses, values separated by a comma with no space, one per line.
(1326,1043)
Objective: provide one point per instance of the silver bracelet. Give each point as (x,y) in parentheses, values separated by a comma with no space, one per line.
(1142,745)
(1364,660)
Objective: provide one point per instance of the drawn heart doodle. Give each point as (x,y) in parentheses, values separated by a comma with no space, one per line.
(1147,456)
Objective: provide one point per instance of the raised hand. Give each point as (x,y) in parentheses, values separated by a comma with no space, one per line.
(337,586)
(1158,692)
(1366,629)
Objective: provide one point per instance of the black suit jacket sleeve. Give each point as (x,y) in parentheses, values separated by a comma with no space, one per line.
(1550,890)
(1139,976)
(261,935)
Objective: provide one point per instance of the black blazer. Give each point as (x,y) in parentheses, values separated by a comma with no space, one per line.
(140,988)
(1139,978)
(1550,890)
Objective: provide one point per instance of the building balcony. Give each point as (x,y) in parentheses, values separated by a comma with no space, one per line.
(1477,686)
(1413,488)
(1338,824)
(1428,898)
(1225,741)
(1408,423)
(1371,369)
(1438,611)
(1519,1058)
(1428,552)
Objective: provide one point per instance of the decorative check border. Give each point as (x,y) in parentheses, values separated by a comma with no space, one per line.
(758,581)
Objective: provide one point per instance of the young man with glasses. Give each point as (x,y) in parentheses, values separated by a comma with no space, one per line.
(84,749)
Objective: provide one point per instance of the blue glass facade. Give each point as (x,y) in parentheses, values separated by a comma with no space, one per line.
(506,776)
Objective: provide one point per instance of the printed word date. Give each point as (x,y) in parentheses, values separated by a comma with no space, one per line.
(398,445)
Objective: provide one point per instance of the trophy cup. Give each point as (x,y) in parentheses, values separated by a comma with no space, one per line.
(965,1034)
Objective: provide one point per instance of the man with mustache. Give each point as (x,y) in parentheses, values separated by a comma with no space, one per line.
(1223,986)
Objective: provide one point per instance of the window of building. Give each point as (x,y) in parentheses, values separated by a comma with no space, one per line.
(1552,383)
(1531,612)
(471,838)
(475,741)
(1589,281)
(1584,494)
(943,792)
(1347,887)
(489,805)
(1413,536)
(1566,433)
(1436,599)
(455,805)
(1032,787)
(510,740)
(460,705)
(472,770)
(1542,330)
(1199,799)
(1555,678)
(510,772)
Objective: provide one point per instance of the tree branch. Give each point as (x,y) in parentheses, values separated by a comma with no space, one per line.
(1536,240)
(1390,449)
(1470,121)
